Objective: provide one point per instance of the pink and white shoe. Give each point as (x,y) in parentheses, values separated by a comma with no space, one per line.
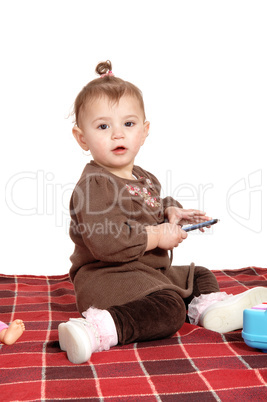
(80,337)
(227,314)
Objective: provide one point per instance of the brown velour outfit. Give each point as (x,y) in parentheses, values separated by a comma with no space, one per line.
(146,296)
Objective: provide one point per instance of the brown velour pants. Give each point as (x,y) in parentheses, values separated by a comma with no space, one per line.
(159,314)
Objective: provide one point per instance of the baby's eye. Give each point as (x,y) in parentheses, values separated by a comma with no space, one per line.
(103,126)
(129,124)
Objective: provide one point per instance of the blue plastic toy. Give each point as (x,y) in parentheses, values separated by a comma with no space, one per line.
(255,327)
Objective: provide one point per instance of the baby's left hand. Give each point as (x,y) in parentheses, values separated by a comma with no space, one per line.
(185,216)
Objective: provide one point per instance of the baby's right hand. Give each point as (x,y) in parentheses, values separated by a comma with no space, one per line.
(170,236)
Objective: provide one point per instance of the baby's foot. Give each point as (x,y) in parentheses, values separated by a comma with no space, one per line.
(13,332)
(227,315)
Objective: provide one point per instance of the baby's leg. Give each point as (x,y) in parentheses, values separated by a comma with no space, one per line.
(155,316)
(205,282)
(13,332)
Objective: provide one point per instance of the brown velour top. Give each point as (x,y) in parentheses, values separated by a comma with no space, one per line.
(108,217)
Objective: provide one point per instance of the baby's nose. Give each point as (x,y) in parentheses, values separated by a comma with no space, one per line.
(117,133)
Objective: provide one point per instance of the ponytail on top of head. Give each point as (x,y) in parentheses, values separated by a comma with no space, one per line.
(104,67)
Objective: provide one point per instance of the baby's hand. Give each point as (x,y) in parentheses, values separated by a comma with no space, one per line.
(185,216)
(170,236)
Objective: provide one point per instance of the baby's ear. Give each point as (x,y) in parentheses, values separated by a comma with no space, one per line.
(79,136)
(146,130)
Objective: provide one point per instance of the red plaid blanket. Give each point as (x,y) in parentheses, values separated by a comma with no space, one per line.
(194,365)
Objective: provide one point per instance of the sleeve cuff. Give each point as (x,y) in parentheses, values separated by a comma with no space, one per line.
(170,202)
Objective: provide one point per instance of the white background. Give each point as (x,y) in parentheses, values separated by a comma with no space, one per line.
(202,68)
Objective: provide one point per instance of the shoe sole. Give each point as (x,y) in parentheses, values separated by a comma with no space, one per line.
(227,315)
(74,340)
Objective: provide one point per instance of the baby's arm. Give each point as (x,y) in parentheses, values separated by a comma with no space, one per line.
(170,235)
(165,236)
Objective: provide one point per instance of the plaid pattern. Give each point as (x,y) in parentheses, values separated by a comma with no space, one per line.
(194,365)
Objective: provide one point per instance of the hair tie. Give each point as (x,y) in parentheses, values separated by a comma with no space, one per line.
(110,73)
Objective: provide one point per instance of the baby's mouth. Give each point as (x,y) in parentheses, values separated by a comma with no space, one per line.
(119,149)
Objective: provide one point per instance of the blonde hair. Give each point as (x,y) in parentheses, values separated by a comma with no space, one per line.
(106,85)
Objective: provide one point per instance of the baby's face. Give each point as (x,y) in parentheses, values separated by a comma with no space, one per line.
(113,132)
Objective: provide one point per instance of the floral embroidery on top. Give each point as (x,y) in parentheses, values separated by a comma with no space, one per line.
(144,193)
(149,182)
